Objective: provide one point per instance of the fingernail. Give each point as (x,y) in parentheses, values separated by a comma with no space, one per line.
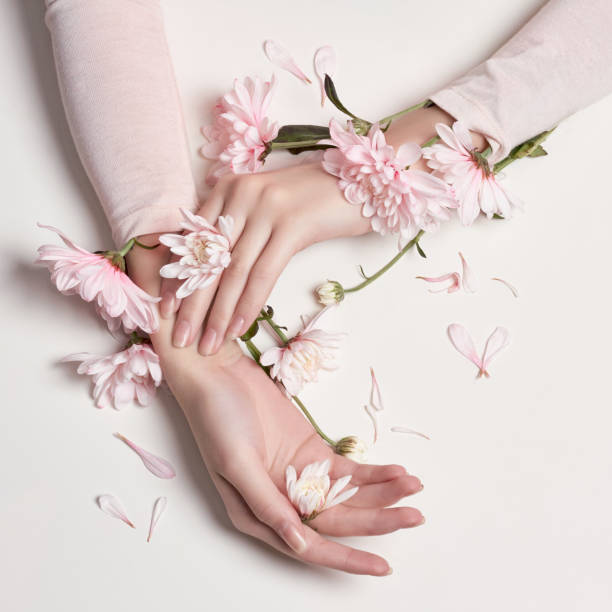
(166,306)
(208,341)
(181,334)
(422,521)
(389,572)
(293,538)
(235,327)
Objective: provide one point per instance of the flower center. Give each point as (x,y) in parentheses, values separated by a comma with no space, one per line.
(199,251)
(311,486)
(481,161)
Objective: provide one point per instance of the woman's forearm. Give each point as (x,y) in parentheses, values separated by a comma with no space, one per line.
(558,63)
(122,105)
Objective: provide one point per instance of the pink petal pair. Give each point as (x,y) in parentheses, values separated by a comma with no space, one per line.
(462,341)
(468,280)
(110,505)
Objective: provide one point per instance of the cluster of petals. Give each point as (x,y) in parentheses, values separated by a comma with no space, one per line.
(476,188)
(204,252)
(372,174)
(460,338)
(301,359)
(310,494)
(93,276)
(240,130)
(119,379)
(454,280)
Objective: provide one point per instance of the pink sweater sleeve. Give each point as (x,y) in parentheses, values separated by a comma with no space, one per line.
(558,63)
(123,109)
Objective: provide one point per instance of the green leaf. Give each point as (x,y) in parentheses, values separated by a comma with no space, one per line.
(299,133)
(332,94)
(539,151)
(297,151)
(420,251)
(363,274)
(250,332)
(496,216)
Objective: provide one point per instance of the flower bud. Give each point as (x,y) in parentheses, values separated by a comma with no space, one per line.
(353,448)
(329,293)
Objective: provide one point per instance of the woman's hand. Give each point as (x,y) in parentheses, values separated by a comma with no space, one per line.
(248,432)
(276,214)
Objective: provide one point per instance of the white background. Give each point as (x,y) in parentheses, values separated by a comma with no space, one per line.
(517,474)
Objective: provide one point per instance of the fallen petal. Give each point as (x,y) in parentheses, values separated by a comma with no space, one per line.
(406,430)
(498,340)
(158,509)
(279,56)
(112,506)
(470,281)
(156,465)
(462,341)
(324,63)
(512,288)
(375,397)
(372,414)
(451,288)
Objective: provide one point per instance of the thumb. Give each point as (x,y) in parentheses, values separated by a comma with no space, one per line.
(268,504)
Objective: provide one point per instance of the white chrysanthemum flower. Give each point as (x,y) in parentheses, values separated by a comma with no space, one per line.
(204,251)
(311,493)
(353,448)
(303,357)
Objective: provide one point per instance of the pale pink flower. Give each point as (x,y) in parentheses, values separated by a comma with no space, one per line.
(93,276)
(462,341)
(281,57)
(121,378)
(451,287)
(204,252)
(375,176)
(300,361)
(458,163)
(310,494)
(240,130)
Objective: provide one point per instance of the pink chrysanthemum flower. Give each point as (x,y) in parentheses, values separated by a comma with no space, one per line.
(119,379)
(94,277)
(458,163)
(375,176)
(204,252)
(300,361)
(240,130)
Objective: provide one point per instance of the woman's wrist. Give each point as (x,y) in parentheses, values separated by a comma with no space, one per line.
(420,126)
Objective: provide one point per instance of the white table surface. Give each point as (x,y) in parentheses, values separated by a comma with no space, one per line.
(518,471)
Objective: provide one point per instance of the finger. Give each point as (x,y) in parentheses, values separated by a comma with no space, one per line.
(319,551)
(363,473)
(212,206)
(261,281)
(384,494)
(169,302)
(245,253)
(267,503)
(343,521)
(191,315)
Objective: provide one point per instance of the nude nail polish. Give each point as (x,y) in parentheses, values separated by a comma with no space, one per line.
(208,341)
(166,306)
(293,538)
(181,334)
(235,328)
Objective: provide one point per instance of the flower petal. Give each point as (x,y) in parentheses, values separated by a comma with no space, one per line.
(470,281)
(512,288)
(279,56)
(375,396)
(498,340)
(462,341)
(158,509)
(324,63)
(407,430)
(156,465)
(113,507)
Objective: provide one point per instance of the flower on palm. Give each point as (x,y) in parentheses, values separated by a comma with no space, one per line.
(311,494)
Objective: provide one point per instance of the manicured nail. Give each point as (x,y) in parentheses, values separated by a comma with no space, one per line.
(235,328)
(293,538)
(208,341)
(166,306)
(389,572)
(422,521)
(181,334)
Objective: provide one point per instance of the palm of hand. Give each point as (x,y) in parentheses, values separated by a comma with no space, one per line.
(248,432)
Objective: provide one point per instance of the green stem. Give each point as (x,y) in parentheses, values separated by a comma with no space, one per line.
(127,247)
(431,141)
(297,144)
(522,150)
(390,118)
(277,330)
(307,414)
(255,352)
(389,264)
